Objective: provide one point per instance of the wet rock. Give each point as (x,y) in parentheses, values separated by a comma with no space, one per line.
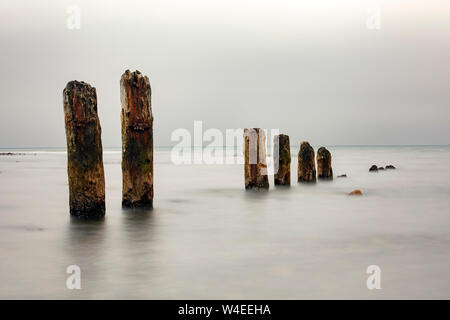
(342,176)
(137,140)
(84,151)
(373,168)
(324,169)
(12,154)
(391,167)
(355,193)
(255,167)
(306,163)
(380,168)
(282,160)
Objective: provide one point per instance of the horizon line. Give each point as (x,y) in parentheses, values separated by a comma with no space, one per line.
(295,145)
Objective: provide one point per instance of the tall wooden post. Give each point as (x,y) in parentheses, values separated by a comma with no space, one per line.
(84,151)
(324,170)
(255,167)
(306,163)
(137,140)
(282,160)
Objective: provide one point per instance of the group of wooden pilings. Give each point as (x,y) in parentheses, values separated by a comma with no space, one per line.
(255,167)
(85,153)
(84,146)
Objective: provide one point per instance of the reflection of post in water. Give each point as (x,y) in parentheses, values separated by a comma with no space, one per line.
(255,166)
(85,247)
(137,240)
(138,224)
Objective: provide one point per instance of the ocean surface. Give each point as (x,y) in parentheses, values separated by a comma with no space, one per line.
(207,238)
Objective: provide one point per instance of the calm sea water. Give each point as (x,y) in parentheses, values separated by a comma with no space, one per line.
(207,238)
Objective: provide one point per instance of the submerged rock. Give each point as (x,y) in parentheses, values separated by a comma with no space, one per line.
(137,140)
(356,193)
(84,151)
(373,168)
(255,167)
(390,167)
(324,169)
(282,160)
(306,163)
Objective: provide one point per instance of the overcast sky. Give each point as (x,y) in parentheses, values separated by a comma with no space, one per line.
(309,68)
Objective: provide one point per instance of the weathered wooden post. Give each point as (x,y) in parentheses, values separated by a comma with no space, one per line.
(306,163)
(137,140)
(282,160)
(255,167)
(84,151)
(324,170)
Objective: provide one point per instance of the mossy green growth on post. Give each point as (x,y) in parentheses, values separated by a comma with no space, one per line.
(137,140)
(84,151)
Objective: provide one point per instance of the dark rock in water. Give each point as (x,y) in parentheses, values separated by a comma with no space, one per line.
(282,160)
(356,193)
(84,151)
(11,154)
(306,163)
(342,176)
(255,167)
(324,169)
(137,140)
(380,168)
(390,167)
(373,168)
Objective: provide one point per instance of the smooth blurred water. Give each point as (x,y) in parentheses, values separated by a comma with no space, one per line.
(208,238)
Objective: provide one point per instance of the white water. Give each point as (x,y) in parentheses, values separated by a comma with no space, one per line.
(208,238)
